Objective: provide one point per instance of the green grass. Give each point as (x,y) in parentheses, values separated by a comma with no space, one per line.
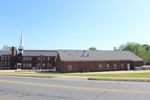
(127,75)
(130,75)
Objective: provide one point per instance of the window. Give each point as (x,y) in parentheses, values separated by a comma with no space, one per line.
(48,65)
(2,57)
(69,67)
(100,66)
(5,63)
(8,57)
(2,63)
(24,58)
(43,64)
(24,65)
(27,65)
(115,66)
(30,65)
(30,58)
(27,58)
(107,66)
(5,57)
(38,65)
(48,58)
(122,66)
(8,63)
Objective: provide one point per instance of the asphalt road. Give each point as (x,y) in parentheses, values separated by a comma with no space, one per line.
(29,88)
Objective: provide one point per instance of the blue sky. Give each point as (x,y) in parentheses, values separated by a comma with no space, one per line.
(74,24)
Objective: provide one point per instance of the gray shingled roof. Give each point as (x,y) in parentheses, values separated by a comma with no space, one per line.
(98,55)
(39,52)
(5,53)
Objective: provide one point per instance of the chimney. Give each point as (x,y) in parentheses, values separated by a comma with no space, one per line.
(13,51)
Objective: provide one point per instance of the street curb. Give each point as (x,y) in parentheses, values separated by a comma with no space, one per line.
(118,79)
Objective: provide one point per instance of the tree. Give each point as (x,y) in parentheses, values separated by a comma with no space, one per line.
(8,47)
(146,46)
(92,48)
(137,49)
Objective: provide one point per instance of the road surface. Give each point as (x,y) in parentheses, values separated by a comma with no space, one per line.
(30,88)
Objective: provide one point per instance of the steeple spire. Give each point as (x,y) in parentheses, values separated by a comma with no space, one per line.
(21,46)
(21,41)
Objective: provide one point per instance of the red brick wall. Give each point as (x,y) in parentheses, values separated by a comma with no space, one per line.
(35,61)
(79,66)
(5,60)
(87,65)
(75,66)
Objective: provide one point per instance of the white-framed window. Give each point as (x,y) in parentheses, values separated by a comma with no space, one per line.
(100,66)
(115,66)
(24,65)
(27,58)
(29,65)
(8,57)
(24,58)
(8,63)
(5,57)
(5,63)
(30,58)
(122,66)
(2,57)
(43,64)
(48,58)
(69,67)
(107,66)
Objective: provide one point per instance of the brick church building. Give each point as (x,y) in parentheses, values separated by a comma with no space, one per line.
(68,60)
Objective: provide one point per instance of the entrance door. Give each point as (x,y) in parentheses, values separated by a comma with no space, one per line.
(18,65)
(128,66)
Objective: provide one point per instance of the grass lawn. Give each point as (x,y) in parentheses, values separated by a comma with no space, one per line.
(135,76)
(129,75)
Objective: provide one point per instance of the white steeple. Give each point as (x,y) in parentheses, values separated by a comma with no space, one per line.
(21,46)
(21,41)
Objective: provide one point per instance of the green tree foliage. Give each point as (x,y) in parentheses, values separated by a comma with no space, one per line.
(138,49)
(92,48)
(8,47)
(146,46)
